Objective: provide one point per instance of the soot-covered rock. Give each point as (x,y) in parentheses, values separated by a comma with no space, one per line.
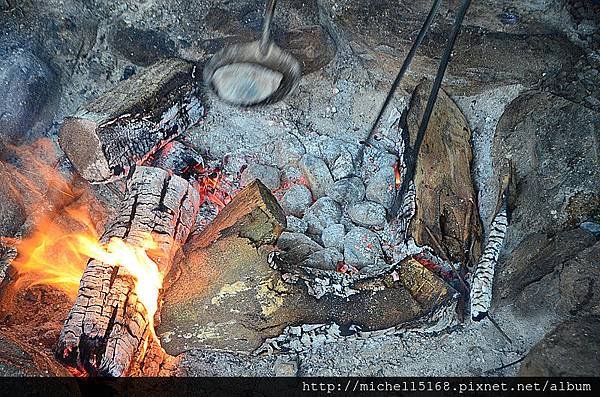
(572,349)
(362,248)
(322,213)
(367,214)
(553,145)
(27,89)
(297,246)
(347,191)
(333,236)
(296,200)
(269,176)
(12,210)
(142,47)
(317,174)
(326,259)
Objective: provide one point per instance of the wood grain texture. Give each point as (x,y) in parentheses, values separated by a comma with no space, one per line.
(107,331)
(121,128)
(447,218)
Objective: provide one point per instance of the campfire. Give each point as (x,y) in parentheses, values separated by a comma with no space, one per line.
(342,231)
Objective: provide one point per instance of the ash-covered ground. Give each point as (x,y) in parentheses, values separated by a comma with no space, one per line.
(526,74)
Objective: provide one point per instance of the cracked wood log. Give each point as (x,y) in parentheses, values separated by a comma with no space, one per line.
(110,134)
(253,213)
(108,329)
(447,216)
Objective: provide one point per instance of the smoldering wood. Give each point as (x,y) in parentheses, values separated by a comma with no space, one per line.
(107,330)
(253,213)
(446,218)
(121,128)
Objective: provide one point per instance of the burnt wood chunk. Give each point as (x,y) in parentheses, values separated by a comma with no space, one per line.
(253,213)
(447,216)
(110,134)
(108,330)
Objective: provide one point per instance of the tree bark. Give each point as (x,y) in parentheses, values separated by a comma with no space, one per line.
(109,135)
(108,330)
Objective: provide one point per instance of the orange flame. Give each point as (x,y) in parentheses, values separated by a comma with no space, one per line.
(52,255)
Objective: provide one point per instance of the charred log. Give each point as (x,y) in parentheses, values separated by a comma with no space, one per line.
(124,126)
(108,329)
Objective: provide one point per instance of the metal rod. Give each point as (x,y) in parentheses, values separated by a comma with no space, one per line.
(414,151)
(407,61)
(266,32)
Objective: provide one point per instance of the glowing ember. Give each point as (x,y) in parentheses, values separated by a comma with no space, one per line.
(398,176)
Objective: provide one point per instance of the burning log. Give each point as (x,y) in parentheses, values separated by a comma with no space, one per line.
(111,323)
(125,125)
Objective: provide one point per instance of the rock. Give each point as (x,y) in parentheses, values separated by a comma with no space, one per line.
(572,349)
(317,174)
(312,46)
(285,366)
(28,88)
(12,208)
(340,156)
(551,274)
(296,200)
(288,151)
(322,213)
(347,191)
(142,47)
(343,166)
(326,259)
(296,225)
(382,187)
(368,214)
(553,145)
(591,227)
(333,236)
(297,246)
(269,176)
(362,248)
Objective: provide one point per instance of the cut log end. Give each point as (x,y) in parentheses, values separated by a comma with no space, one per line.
(124,126)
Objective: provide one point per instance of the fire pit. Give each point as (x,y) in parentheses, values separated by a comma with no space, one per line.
(157,227)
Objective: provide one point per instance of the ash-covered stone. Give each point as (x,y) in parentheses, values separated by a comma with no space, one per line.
(368,214)
(296,200)
(317,174)
(296,225)
(326,259)
(270,176)
(297,246)
(343,166)
(382,187)
(347,191)
(333,236)
(322,213)
(362,248)
(288,151)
